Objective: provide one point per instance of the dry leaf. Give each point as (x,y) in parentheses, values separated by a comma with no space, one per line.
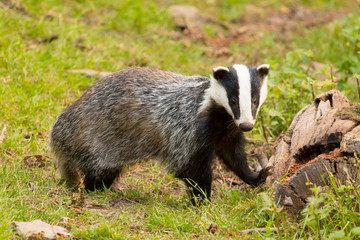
(35,160)
(77,210)
(42,135)
(49,39)
(79,199)
(28,135)
(213,228)
(5,79)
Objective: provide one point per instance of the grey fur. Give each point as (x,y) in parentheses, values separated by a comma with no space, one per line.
(130,116)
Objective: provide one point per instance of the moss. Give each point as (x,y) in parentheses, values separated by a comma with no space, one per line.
(350,113)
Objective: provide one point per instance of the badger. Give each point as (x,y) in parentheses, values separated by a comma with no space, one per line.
(184,122)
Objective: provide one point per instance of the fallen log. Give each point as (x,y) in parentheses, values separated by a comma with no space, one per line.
(321,141)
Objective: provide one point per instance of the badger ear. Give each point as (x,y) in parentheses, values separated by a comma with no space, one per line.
(220,72)
(263,69)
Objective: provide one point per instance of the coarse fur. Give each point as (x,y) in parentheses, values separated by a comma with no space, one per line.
(142,113)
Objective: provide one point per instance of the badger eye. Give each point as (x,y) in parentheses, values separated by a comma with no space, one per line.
(255,101)
(233,101)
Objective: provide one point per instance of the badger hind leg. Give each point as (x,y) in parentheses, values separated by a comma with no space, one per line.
(100,178)
(67,170)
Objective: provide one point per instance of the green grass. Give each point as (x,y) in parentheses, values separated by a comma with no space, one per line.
(35,87)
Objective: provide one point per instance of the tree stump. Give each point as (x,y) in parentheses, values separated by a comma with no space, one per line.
(322,139)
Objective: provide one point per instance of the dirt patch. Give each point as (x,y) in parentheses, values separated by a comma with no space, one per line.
(14,6)
(121,202)
(252,25)
(286,21)
(98,209)
(32,161)
(222,175)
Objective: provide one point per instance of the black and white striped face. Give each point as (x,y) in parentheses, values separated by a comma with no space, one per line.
(241,90)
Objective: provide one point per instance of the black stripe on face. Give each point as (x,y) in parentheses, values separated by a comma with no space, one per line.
(256,82)
(231,85)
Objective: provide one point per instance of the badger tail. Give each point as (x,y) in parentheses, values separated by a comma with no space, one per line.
(66,170)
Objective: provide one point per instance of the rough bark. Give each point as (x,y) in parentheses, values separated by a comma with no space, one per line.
(351,142)
(320,143)
(280,161)
(316,128)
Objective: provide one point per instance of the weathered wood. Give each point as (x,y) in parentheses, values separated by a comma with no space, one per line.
(280,162)
(321,143)
(315,173)
(351,142)
(190,17)
(186,16)
(287,198)
(317,127)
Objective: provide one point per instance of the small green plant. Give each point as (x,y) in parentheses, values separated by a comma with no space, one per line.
(351,35)
(290,82)
(276,212)
(333,212)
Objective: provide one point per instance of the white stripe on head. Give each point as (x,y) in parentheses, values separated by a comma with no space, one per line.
(216,92)
(244,80)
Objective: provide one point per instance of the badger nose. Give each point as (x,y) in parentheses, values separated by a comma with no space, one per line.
(246,126)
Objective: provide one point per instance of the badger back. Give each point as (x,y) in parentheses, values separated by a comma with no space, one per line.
(132,115)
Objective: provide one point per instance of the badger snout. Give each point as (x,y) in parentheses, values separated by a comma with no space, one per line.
(246,126)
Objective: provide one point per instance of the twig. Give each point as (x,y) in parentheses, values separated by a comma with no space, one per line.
(313,90)
(331,73)
(358,85)
(263,128)
(357,162)
(260,230)
(2,135)
(10,154)
(220,23)
(90,72)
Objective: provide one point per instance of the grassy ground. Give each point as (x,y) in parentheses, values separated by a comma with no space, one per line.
(40,41)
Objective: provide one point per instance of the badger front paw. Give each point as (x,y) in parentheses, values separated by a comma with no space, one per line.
(263,174)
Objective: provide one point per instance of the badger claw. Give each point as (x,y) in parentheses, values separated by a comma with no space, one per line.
(264,173)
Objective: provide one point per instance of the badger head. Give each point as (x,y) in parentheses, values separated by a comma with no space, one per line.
(241,90)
